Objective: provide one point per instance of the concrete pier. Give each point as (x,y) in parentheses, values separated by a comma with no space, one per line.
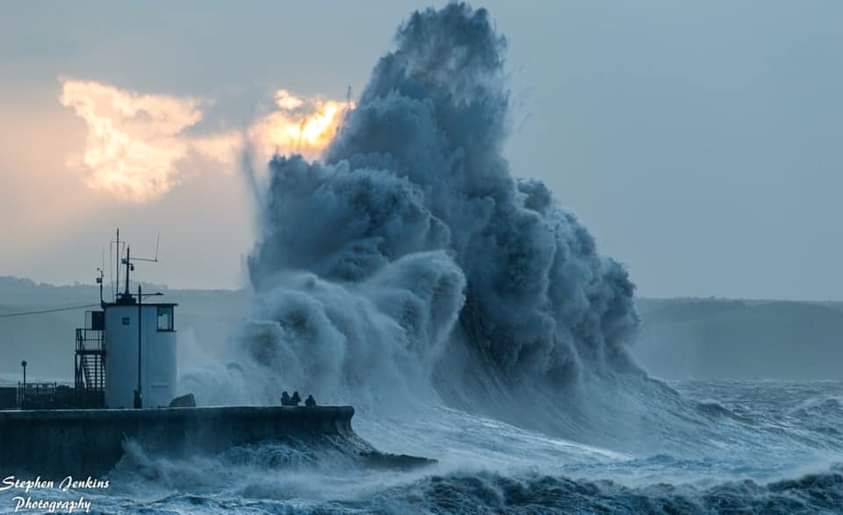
(85,442)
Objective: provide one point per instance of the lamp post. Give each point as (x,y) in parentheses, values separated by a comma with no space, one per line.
(22,399)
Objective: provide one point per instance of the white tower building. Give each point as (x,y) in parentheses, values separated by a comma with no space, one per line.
(140,351)
(138,347)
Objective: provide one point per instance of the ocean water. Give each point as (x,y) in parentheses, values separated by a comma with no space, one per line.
(764,447)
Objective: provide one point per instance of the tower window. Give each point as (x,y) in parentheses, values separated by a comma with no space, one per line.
(165,318)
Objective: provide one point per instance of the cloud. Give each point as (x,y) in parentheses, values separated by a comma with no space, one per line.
(134,140)
(140,145)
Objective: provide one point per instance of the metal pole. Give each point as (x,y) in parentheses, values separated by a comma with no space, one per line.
(22,400)
(139,391)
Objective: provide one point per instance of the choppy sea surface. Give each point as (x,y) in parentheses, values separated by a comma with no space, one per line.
(771,447)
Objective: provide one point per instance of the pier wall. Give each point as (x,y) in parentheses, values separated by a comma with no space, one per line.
(77,442)
(8,397)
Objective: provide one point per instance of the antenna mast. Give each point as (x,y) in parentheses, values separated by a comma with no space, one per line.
(129,261)
(117,266)
(99,282)
(129,266)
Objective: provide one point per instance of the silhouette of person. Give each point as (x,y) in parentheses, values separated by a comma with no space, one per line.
(285,398)
(310,401)
(295,399)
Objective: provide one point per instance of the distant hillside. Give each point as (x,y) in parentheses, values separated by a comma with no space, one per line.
(680,338)
(693,338)
(46,341)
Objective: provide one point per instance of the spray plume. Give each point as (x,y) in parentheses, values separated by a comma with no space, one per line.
(412,245)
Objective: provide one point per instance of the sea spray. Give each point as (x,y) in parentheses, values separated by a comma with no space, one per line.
(412,238)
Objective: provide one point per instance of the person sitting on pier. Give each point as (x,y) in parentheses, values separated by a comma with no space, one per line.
(295,399)
(285,398)
(310,401)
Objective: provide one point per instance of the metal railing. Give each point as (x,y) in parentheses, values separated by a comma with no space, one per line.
(36,395)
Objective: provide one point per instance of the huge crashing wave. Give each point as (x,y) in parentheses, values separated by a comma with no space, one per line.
(411,249)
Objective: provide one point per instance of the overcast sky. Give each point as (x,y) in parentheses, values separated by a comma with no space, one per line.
(698,141)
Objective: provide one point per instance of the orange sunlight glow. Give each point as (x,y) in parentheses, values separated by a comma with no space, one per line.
(138,148)
(298,126)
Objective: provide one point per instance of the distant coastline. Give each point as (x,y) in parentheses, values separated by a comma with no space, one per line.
(680,338)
